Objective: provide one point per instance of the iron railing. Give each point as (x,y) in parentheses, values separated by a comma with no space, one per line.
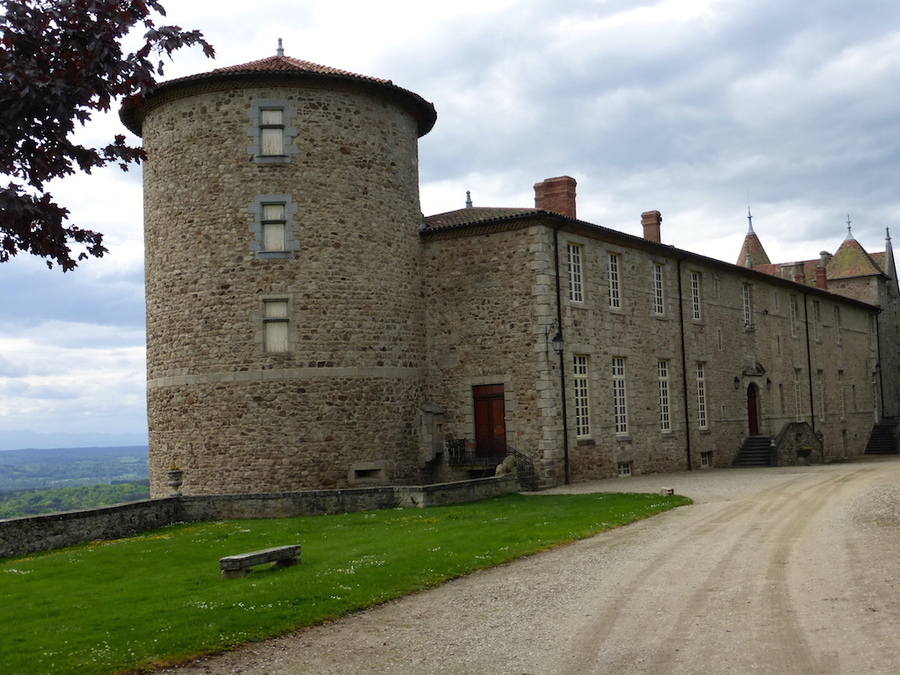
(463,453)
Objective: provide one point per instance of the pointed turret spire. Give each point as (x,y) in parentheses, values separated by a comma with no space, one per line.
(752,252)
(849,236)
(890,267)
(468,199)
(280,50)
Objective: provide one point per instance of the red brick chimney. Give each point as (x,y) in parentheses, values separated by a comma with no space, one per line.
(556,195)
(821,278)
(651,221)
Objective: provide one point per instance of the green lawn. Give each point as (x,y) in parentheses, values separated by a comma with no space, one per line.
(158,597)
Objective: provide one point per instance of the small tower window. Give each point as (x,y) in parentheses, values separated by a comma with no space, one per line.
(275,326)
(273,224)
(272,132)
(273,227)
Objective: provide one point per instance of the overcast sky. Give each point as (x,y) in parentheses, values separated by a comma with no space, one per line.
(694,108)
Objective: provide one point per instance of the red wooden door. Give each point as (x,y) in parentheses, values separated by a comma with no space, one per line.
(753,409)
(490,420)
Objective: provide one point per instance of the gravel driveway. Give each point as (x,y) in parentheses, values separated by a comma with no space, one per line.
(781,571)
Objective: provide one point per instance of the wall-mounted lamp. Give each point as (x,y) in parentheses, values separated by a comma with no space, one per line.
(768,383)
(737,382)
(557,343)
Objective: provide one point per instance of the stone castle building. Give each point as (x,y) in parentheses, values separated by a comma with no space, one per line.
(308,328)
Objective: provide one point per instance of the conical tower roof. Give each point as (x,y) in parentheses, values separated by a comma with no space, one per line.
(852,260)
(276,69)
(752,252)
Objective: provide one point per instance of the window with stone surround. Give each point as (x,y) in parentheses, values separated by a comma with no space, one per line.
(620,401)
(817,321)
(837,325)
(702,420)
(694,285)
(612,277)
(662,374)
(792,302)
(272,131)
(798,395)
(841,399)
(275,326)
(576,287)
(273,227)
(747,305)
(582,396)
(658,280)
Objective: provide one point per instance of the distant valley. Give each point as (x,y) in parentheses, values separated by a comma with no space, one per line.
(71,467)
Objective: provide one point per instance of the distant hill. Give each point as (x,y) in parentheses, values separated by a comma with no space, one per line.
(39,468)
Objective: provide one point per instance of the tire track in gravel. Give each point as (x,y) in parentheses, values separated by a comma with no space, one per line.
(715,569)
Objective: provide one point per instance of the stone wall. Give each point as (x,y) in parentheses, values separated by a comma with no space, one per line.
(21,536)
(236,417)
(491,300)
(798,445)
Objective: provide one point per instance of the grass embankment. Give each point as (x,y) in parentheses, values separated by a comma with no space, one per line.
(158,598)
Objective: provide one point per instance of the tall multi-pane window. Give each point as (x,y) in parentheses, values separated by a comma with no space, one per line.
(582,395)
(658,289)
(612,274)
(576,291)
(820,381)
(792,302)
(695,296)
(798,396)
(817,320)
(837,325)
(273,227)
(275,326)
(702,420)
(271,131)
(747,305)
(841,399)
(620,404)
(662,372)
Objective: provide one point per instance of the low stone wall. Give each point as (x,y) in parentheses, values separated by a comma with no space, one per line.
(21,536)
(798,445)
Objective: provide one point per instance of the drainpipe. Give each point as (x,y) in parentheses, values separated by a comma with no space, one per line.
(684,375)
(812,402)
(879,373)
(562,364)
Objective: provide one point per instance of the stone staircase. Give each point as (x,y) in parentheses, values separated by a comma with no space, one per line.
(883,439)
(755,451)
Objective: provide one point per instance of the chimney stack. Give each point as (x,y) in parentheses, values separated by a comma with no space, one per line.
(556,195)
(821,278)
(651,221)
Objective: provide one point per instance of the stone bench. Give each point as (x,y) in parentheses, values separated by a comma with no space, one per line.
(238,565)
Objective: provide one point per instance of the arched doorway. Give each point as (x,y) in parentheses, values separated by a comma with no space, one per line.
(753,409)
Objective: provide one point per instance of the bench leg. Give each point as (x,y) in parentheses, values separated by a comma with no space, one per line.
(286,562)
(234,574)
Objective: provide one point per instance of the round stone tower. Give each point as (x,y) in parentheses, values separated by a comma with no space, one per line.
(285,338)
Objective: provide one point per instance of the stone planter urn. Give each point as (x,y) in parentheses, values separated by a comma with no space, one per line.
(176,478)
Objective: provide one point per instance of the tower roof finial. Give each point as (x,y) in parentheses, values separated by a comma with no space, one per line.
(750,220)
(849,231)
(280,50)
(468,199)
